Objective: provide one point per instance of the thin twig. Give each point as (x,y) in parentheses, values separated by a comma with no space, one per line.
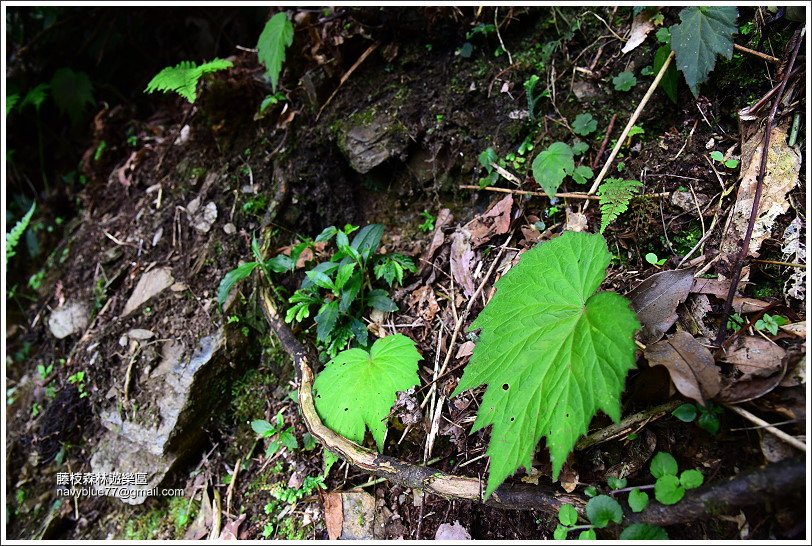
(631,123)
(759,54)
(786,264)
(791,440)
(562,195)
(765,152)
(605,141)
(347,75)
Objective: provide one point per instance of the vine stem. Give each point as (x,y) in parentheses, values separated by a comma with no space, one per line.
(630,124)
(762,169)
(630,489)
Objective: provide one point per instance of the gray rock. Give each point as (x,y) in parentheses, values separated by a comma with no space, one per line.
(150,284)
(71,318)
(201,218)
(173,403)
(370,144)
(359,522)
(452,531)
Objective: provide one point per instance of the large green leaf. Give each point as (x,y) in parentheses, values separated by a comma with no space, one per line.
(552,352)
(668,83)
(356,390)
(276,37)
(552,165)
(231,278)
(703,33)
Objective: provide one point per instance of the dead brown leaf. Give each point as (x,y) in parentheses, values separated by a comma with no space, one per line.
(461,261)
(655,301)
(232,528)
(689,364)
(496,221)
(333,515)
(754,356)
(641,26)
(781,175)
(444,217)
(719,287)
(576,221)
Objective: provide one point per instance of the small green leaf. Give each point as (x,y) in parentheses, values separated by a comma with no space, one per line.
(663,464)
(13,236)
(579,147)
(651,258)
(615,195)
(643,531)
(732,163)
(357,388)
(288,439)
(716,155)
(344,274)
(603,509)
(638,500)
(685,413)
(663,35)
(709,422)
(552,165)
(588,534)
(584,124)
(72,92)
(667,489)
(263,427)
(320,279)
(669,81)
(567,515)
(560,532)
(276,37)
(233,277)
(378,299)
(616,483)
(590,491)
(703,33)
(581,174)
(624,81)
(326,320)
(691,479)
(326,234)
(367,240)
(280,264)
(487,157)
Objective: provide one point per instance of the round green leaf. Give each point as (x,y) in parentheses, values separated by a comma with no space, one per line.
(602,509)
(709,422)
(590,491)
(716,155)
(616,483)
(356,390)
(552,165)
(685,413)
(638,500)
(560,533)
(567,515)
(663,464)
(584,124)
(589,534)
(643,531)
(691,479)
(668,490)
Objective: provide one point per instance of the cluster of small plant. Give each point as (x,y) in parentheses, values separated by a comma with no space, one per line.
(708,415)
(602,509)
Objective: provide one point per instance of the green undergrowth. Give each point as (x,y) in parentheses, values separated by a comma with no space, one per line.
(167,519)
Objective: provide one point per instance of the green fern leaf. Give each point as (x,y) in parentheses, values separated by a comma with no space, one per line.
(13,236)
(615,194)
(276,37)
(183,78)
(11,102)
(552,352)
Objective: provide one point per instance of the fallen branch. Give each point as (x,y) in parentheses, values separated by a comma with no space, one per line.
(563,195)
(778,433)
(627,425)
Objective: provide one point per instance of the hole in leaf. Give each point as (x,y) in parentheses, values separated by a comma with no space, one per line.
(512,419)
(346,409)
(505,387)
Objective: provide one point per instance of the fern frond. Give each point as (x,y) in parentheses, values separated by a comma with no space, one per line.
(13,236)
(183,78)
(615,194)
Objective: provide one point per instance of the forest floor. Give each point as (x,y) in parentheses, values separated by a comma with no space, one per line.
(423,101)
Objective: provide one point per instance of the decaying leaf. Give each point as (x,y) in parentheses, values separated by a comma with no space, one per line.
(735,391)
(794,251)
(690,365)
(655,301)
(569,475)
(754,356)
(333,515)
(232,528)
(641,26)
(576,221)
(461,261)
(719,287)
(496,221)
(444,217)
(781,175)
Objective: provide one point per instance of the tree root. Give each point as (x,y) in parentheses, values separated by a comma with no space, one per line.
(742,490)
